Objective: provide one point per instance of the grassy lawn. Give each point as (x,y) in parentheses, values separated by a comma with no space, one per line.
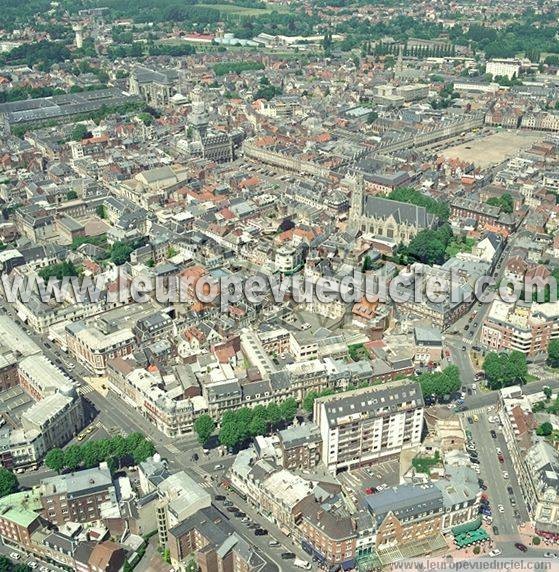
(424,464)
(530,377)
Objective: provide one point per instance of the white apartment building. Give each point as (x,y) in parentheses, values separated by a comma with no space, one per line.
(504,67)
(369,425)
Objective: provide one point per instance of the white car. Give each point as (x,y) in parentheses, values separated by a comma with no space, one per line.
(15,556)
(501,508)
(498,451)
(494,552)
(32,565)
(505,475)
(550,555)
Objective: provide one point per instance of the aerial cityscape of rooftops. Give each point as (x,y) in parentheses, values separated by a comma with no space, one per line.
(279,285)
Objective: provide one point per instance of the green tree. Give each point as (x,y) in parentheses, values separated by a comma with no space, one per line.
(204,427)
(415,197)
(545,429)
(73,457)
(427,247)
(308,401)
(146,118)
(440,383)
(230,435)
(258,426)
(8,482)
(101,211)
(553,353)
(288,409)
(66,268)
(79,132)
(71,195)
(273,414)
(504,202)
(143,451)
(120,253)
(54,460)
(538,406)
(548,392)
(504,369)
(90,454)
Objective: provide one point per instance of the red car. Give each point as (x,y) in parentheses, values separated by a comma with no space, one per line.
(371,490)
(501,458)
(521,547)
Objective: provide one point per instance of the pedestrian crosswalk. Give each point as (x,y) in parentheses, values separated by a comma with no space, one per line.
(85,389)
(476,411)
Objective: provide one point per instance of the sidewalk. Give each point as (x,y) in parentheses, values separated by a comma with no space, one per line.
(527,533)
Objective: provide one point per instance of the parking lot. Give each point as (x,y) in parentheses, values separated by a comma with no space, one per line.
(360,482)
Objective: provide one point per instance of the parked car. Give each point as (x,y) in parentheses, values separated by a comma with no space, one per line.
(520,546)
(219,497)
(287,555)
(273,543)
(501,508)
(495,530)
(260,532)
(510,490)
(505,475)
(494,552)
(493,433)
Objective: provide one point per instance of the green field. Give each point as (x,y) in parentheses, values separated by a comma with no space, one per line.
(242,11)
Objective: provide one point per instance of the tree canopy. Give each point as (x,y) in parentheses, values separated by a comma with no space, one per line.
(116,451)
(503,369)
(504,202)
(238,426)
(8,482)
(414,197)
(66,268)
(429,246)
(545,429)
(440,383)
(204,427)
(553,353)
